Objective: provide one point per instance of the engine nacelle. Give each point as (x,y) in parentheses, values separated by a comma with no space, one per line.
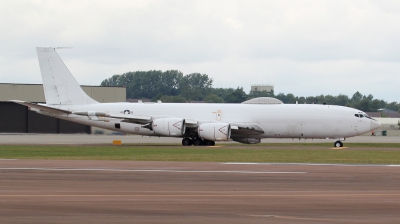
(247,140)
(214,131)
(169,126)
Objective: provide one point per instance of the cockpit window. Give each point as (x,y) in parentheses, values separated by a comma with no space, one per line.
(367,116)
(362,114)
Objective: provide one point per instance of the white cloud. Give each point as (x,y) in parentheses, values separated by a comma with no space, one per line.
(303,47)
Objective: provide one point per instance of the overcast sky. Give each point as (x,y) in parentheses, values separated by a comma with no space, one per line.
(303,47)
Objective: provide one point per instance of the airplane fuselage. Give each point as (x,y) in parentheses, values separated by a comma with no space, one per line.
(278,121)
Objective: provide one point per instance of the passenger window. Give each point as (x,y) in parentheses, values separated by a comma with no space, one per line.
(356,115)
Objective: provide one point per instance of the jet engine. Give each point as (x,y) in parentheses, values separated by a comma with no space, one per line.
(214,131)
(247,140)
(169,126)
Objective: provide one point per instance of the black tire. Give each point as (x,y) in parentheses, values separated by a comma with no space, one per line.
(187,142)
(338,144)
(209,143)
(198,142)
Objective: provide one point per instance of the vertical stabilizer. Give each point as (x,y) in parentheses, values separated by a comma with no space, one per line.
(60,87)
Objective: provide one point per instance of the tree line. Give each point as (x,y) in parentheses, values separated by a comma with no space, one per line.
(173,86)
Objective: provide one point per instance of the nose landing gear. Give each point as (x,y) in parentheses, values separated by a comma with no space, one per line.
(338,144)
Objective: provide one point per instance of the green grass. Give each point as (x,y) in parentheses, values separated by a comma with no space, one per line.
(357,153)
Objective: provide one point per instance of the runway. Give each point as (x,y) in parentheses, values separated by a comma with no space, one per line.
(61,191)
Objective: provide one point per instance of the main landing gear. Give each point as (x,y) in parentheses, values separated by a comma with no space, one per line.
(187,142)
(196,142)
(338,144)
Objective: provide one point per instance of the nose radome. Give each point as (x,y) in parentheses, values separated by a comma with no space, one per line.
(374,125)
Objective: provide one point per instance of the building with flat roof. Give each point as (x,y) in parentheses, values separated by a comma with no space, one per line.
(35,93)
(262,87)
(15,118)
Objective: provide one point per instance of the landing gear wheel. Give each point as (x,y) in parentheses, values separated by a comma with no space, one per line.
(209,143)
(198,142)
(338,144)
(187,142)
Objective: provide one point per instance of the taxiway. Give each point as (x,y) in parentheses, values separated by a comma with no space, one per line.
(60,191)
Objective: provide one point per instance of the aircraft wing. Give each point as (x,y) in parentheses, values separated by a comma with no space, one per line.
(246,130)
(91,114)
(130,118)
(238,130)
(38,107)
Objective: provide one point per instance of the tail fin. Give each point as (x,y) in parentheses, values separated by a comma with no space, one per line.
(60,87)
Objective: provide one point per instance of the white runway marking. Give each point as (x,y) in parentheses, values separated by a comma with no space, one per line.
(138,170)
(314,164)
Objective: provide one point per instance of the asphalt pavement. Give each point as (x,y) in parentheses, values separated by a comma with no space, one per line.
(54,191)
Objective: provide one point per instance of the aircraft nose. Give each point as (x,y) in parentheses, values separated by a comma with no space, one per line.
(374,125)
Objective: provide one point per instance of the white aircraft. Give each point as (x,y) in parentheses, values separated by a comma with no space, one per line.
(198,124)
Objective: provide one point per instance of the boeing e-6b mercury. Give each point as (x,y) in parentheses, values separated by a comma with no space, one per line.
(198,124)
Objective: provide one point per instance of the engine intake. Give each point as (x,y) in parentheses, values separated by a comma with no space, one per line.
(214,131)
